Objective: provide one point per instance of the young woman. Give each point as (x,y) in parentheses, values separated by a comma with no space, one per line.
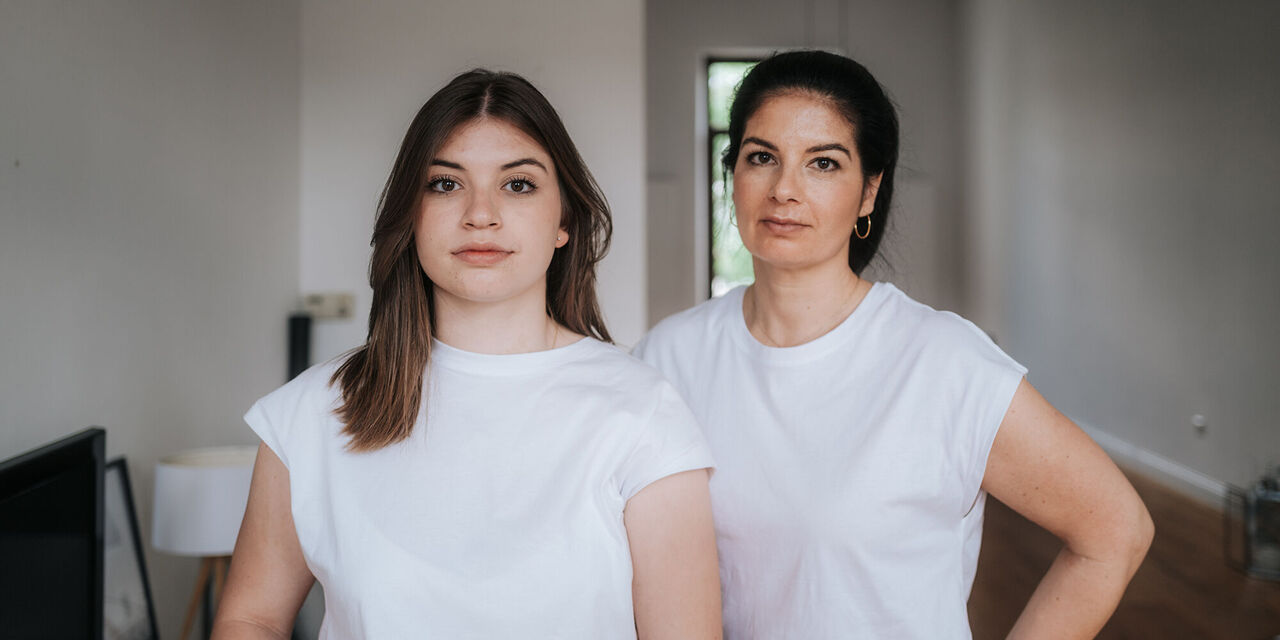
(486,465)
(857,431)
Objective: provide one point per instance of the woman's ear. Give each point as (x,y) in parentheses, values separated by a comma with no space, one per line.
(869,191)
(562,237)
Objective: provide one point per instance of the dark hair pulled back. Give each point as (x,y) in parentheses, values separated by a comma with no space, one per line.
(854,92)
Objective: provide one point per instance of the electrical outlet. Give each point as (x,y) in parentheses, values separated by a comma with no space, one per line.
(333,305)
(1200,424)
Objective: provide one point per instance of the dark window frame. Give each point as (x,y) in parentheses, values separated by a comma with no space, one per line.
(712,159)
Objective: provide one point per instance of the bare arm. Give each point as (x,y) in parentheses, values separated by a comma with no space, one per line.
(1045,468)
(676,583)
(269,577)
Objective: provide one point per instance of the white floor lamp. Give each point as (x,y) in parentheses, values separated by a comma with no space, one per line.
(199,502)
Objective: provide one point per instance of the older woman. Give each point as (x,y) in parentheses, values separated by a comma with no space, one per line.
(857,431)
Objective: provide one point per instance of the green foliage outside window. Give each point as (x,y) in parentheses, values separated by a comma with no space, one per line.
(730,261)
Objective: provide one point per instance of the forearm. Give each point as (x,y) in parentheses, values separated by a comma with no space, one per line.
(269,577)
(1076,597)
(1045,468)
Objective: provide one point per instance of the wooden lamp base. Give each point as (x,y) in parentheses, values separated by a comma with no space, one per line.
(213,575)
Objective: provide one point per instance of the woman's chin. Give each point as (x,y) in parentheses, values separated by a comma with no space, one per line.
(485,290)
(795,256)
(480,295)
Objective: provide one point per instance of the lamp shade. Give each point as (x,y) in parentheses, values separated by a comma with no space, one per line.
(200,499)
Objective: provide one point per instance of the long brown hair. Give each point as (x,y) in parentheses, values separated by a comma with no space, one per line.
(382,381)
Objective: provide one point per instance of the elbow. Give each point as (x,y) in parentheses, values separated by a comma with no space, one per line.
(1140,535)
(1130,537)
(1120,541)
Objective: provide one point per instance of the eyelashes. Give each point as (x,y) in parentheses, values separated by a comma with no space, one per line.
(518,184)
(825,164)
(822,163)
(443,184)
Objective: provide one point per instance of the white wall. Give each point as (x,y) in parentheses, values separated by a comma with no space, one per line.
(1125,164)
(911,47)
(148,228)
(366,70)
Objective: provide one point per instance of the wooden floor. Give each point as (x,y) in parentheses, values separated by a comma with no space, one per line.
(1184,589)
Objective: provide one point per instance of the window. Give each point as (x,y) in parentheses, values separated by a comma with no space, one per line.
(730,262)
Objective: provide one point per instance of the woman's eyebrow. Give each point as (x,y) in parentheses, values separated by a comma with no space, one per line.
(768,145)
(440,162)
(830,146)
(522,162)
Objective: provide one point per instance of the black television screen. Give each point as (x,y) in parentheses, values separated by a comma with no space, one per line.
(51,518)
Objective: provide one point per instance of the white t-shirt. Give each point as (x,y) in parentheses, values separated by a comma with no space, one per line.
(501,517)
(847,495)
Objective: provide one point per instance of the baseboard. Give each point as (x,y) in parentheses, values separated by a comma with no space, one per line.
(1204,488)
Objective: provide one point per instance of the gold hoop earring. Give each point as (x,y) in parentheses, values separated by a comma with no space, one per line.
(862,236)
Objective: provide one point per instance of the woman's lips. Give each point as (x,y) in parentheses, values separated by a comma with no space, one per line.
(482,255)
(782,225)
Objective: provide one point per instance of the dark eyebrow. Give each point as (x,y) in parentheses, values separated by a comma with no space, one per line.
(522,162)
(510,165)
(830,146)
(767,145)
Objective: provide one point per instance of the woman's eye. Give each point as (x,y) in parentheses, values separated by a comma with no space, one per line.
(443,185)
(520,185)
(826,164)
(759,157)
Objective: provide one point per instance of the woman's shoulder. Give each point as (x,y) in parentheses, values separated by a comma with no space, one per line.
(941,332)
(319,378)
(692,326)
(314,387)
(616,383)
(293,416)
(611,367)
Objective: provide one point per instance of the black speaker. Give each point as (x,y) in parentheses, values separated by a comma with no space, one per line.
(299,343)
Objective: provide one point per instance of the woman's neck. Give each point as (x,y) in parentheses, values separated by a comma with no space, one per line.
(515,325)
(789,307)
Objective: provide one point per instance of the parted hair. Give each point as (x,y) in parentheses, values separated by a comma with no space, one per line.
(383,380)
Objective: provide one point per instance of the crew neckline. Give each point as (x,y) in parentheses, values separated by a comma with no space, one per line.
(505,364)
(812,349)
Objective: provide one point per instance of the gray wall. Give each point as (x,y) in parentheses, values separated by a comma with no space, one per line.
(913,47)
(1125,168)
(148,229)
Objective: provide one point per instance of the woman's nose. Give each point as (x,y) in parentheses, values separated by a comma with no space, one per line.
(482,213)
(786,187)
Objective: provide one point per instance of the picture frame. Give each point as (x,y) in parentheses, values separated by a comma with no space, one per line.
(128,610)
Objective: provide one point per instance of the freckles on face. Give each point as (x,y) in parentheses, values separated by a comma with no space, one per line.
(489,214)
(797,184)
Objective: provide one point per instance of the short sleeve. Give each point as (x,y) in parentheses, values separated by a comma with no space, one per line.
(274,416)
(986,379)
(669,443)
(265,427)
